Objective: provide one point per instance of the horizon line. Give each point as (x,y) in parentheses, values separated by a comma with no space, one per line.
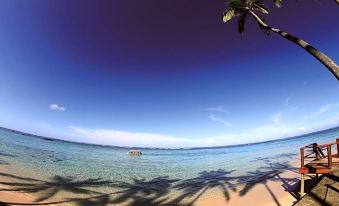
(163,148)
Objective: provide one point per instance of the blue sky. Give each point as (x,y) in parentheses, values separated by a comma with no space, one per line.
(163,74)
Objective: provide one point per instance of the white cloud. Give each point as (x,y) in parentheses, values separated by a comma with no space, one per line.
(56,107)
(136,139)
(211,141)
(217,109)
(277,118)
(280,127)
(302,129)
(217,119)
(321,111)
(263,133)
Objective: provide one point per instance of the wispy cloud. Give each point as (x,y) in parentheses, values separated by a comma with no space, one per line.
(136,139)
(321,111)
(277,118)
(281,126)
(302,129)
(217,119)
(217,109)
(56,107)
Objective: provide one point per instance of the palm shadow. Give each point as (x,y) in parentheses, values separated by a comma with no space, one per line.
(271,171)
(156,191)
(4,162)
(194,188)
(138,192)
(144,192)
(6,155)
(46,189)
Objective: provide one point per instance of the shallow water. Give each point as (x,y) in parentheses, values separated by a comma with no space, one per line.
(45,160)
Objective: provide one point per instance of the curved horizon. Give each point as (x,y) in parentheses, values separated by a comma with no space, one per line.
(168,148)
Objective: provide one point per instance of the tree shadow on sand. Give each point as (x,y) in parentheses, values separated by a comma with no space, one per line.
(194,188)
(157,191)
(138,192)
(162,191)
(270,171)
(45,190)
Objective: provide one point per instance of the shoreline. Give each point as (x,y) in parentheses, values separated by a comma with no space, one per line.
(275,190)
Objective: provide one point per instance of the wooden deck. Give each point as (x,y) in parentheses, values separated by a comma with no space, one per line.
(318,159)
(319,166)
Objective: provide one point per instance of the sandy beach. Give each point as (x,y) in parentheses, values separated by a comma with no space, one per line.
(278,189)
(34,171)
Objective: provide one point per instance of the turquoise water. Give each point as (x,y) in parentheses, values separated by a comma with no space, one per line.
(79,169)
(46,158)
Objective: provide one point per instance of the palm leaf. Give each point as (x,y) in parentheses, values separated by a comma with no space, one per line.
(261,7)
(228,15)
(241,23)
(278,3)
(236,4)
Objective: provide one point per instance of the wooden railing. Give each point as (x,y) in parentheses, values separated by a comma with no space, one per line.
(318,166)
(317,151)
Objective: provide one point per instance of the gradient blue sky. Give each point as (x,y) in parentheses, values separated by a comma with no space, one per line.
(164,73)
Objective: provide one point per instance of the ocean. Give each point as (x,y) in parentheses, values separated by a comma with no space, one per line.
(46,160)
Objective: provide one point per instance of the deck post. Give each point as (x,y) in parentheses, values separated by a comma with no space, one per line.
(337,141)
(302,185)
(302,157)
(329,156)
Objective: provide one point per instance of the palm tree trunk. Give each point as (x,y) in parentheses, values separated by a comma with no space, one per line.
(323,58)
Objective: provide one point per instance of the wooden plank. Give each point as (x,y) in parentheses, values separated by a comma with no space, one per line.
(329,156)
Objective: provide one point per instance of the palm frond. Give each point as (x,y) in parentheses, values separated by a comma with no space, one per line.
(261,7)
(228,15)
(236,4)
(278,3)
(241,23)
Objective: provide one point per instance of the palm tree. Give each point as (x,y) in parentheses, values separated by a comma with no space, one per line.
(243,8)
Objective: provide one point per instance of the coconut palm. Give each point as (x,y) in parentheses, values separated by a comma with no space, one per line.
(244,8)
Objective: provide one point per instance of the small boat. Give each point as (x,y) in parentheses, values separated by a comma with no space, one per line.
(134,152)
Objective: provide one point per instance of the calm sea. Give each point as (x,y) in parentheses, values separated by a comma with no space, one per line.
(43,159)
